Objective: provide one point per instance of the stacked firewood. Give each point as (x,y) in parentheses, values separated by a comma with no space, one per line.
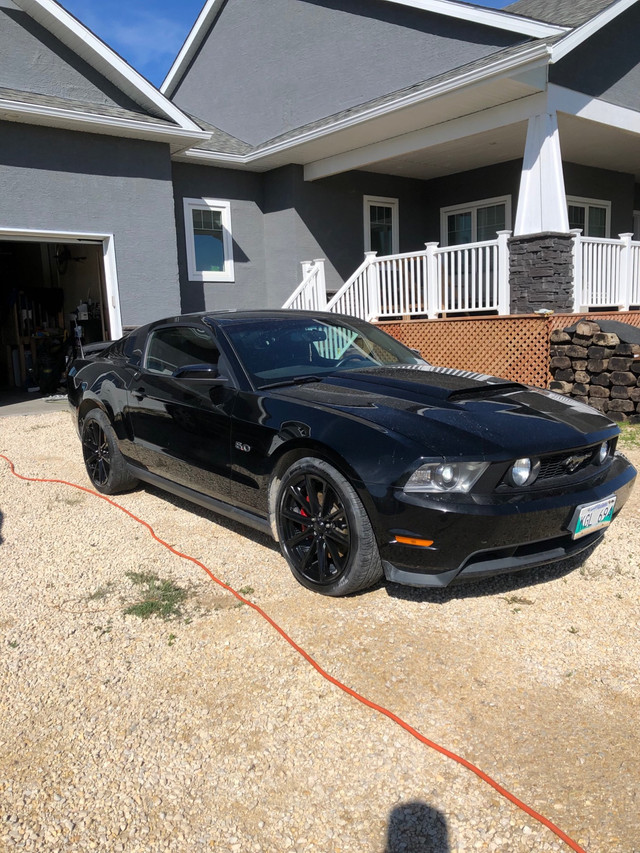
(597,368)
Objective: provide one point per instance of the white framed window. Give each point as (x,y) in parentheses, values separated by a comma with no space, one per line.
(207,223)
(474,222)
(636,224)
(592,215)
(381,229)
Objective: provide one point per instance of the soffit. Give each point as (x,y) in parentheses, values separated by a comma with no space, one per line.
(460,155)
(590,143)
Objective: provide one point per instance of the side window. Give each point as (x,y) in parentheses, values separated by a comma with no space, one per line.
(591,215)
(207,224)
(179,346)
(381,225)
(474,222)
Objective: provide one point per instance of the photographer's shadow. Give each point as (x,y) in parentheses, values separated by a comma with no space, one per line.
(416,827)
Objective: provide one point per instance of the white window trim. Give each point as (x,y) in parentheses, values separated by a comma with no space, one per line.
(473,208)
(578,201)
(224,207)
(394,204)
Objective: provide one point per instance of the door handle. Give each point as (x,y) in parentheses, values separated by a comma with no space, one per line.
(139,393)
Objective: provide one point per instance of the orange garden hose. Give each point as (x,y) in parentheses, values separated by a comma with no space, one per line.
(362,699)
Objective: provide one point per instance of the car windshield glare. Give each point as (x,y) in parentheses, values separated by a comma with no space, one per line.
(281,349)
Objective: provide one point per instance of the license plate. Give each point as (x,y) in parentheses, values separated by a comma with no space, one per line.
(590,517)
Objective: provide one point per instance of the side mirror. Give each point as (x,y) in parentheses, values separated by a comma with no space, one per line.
(208,372)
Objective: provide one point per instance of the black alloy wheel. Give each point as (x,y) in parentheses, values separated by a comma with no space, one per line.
(97,453)
(324,531)
(105,464)
(316,529)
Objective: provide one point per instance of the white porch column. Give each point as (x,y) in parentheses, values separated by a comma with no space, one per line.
(542,203)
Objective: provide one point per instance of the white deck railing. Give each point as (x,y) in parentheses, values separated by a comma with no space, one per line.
(606,272)
(311,293)
(431,283)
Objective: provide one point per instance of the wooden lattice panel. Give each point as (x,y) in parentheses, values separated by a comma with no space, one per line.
(515,347)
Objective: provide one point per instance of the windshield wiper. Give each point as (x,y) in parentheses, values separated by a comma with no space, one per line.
(295,380)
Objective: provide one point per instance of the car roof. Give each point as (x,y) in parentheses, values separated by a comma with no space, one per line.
(233,315)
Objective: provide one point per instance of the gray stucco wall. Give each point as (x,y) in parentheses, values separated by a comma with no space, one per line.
(616,187)
(268,67)
(35,61)
(55,180)
(607,65)
(244,190)
(279,220)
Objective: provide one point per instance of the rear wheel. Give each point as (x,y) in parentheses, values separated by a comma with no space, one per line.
(324,530)
(106,466)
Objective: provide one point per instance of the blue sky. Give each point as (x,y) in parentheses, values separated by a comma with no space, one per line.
(149,33)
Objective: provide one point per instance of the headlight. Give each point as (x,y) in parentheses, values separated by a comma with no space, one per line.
(603,453)
(523,472)
(445,477)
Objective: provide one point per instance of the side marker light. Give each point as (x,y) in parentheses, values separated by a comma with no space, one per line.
(408,540)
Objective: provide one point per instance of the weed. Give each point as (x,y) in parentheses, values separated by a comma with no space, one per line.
(161,598)
(101,592)
(103,629)
(172,639)
(570,673)
(573,630)
(72,501)
(619,595)
(13,644)
(246,590)
(517,599)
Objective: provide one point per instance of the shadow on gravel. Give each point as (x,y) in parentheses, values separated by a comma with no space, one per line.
(499,585)
(215,518)
(417,827)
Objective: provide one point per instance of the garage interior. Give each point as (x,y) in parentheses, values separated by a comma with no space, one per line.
(52,300)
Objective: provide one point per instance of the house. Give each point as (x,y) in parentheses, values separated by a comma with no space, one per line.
(490,158)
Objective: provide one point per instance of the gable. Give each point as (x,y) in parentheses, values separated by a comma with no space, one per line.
(268,68)
(33,60)
(607,65)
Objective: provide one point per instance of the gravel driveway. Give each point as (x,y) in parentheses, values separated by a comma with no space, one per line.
(206,731)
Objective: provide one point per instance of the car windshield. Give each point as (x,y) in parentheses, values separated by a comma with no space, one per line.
(278,350)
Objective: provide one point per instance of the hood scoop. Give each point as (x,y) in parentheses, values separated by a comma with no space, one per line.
(444,383)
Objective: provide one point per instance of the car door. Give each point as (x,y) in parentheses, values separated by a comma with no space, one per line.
(179,406)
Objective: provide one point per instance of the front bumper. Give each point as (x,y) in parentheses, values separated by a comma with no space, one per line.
(475,539)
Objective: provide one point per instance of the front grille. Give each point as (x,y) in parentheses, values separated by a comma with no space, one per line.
(563,464)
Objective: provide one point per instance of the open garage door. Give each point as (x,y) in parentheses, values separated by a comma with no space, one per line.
(57,292)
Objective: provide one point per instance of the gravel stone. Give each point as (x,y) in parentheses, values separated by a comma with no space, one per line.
(209,732)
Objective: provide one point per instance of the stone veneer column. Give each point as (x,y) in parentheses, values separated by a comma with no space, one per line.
(541,272)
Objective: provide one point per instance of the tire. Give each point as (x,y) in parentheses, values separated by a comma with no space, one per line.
(105,464)
(335,552)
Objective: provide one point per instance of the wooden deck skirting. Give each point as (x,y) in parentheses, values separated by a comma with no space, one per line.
(515,347)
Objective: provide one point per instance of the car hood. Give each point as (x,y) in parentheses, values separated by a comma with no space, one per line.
(458,412)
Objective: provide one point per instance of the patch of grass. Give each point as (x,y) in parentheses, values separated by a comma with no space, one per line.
(160,598)
(630,436)
(172,639)
(246,590)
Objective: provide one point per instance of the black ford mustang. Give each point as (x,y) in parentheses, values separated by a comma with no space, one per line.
(359,457)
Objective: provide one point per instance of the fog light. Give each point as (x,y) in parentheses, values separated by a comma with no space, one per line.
(523,471)
(603,452)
